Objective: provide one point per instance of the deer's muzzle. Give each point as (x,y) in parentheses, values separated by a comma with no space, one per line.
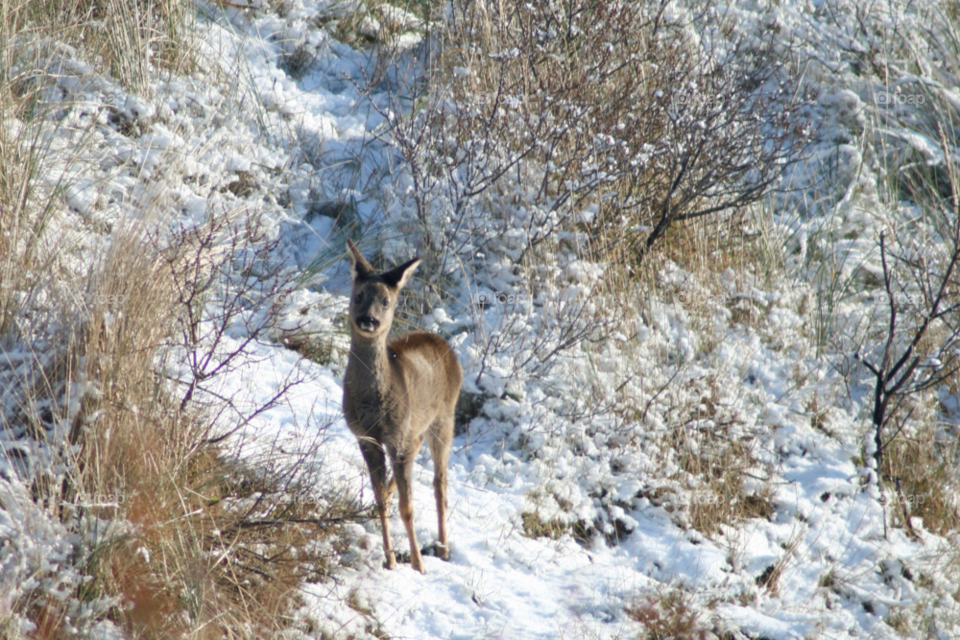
(368,323)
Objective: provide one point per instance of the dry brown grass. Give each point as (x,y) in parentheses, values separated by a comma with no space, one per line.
(195,561)
(26,204)
(187,541)
(720,470)
(175,536)
(723,469)
(132,37)
(669,616)
(921,479)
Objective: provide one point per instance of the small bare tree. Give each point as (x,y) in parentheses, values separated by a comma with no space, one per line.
(227,283)
(920,349)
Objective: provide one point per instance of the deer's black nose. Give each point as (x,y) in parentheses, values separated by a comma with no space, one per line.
(368,323)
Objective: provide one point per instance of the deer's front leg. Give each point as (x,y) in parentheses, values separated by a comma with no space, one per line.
(403,473)
(377,464)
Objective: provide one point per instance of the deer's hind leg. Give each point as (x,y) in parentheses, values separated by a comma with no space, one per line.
(403,473)
(382,491)
(441,434)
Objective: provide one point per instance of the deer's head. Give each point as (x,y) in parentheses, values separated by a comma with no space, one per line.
(374,296)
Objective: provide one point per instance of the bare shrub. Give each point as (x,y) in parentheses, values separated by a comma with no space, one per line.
(228,285)
(910,342)
(615,119)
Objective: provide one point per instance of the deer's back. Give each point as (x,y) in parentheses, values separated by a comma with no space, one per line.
(430,368)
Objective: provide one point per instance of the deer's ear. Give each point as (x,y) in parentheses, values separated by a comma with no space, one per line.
(359,267)
(398,276)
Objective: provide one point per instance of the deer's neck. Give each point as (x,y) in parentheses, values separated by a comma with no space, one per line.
(369,363)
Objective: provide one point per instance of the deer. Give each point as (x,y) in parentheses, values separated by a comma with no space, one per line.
(397,393)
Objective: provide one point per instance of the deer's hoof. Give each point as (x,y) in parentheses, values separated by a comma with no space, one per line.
(437,550)
(390,561)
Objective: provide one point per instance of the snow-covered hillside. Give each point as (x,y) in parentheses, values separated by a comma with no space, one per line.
(684,453)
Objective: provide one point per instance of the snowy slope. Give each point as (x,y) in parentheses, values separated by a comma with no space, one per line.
(837,574)
(819,564)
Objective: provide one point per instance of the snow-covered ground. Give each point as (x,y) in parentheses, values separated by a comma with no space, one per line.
(818,561)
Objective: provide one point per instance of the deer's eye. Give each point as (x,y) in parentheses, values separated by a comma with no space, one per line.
(358,298)
(385,302)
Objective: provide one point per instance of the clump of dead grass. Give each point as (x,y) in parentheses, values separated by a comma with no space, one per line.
(133,39)
(919,470)
(535,526)
(725,469)
(669,616)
